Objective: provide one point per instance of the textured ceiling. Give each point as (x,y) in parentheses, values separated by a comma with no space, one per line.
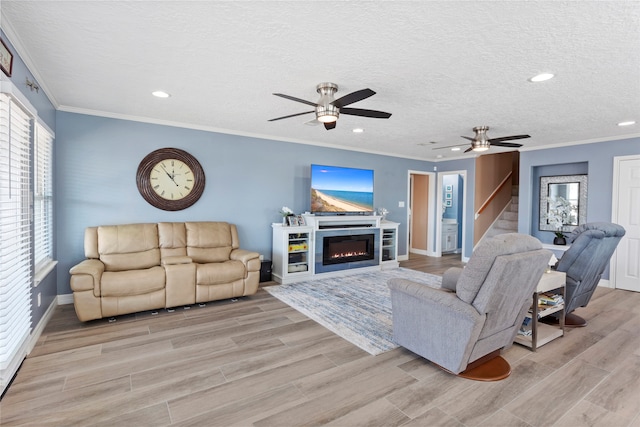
(440,67)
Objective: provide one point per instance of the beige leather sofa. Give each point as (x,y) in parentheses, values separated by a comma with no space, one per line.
(139,267)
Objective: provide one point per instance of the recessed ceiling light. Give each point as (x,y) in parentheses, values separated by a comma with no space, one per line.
(455,149)
(541,77)
(358,130)
(160,94)
(627,123)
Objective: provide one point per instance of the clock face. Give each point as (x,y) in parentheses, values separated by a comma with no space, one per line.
(170,179)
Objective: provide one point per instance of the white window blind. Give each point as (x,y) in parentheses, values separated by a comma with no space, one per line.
(15,237)
(43,198)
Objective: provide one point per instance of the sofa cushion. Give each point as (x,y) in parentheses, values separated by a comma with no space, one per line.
(128,247)
(220,272)
(134,282)
(208,241)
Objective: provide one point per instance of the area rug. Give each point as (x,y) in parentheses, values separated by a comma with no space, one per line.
(356,307)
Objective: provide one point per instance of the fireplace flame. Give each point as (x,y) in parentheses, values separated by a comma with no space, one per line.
(348,254)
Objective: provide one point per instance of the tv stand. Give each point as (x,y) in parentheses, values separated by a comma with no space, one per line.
(294,248)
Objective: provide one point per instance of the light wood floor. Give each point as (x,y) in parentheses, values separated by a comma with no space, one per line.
(259,362)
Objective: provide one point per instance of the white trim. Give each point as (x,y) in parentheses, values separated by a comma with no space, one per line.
(65,299)
(37,331)
(606,283)
(465,195)
(23,53)
(430,251)
(43,272)
(403,257)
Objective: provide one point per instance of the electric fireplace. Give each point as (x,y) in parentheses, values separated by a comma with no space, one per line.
(346,249)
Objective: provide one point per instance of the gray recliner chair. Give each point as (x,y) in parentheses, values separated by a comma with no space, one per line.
(584,262)
(463,326)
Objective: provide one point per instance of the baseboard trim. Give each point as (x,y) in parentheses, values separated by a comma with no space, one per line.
(65,299)
(605,283)
(37,331)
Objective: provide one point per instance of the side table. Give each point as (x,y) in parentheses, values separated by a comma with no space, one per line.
(542,333)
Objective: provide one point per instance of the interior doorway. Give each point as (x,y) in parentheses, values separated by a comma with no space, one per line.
(451,206)
(421,213)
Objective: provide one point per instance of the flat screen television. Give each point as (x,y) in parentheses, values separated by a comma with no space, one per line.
(339,190)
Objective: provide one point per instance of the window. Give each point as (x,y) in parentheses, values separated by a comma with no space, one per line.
(15,228)
(43,198)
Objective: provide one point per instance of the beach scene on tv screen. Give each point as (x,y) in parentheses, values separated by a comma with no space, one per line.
(338,189)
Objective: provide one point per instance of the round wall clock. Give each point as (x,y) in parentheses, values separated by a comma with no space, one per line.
(170,179)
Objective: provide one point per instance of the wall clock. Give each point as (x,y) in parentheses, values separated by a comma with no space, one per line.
(170,179)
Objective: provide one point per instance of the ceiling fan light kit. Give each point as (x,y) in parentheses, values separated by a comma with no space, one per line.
(480,142)
(328,109)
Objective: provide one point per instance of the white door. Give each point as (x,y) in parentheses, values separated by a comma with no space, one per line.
(626,212)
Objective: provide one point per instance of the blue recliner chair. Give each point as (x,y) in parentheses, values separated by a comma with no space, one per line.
(584,262)
(463,326)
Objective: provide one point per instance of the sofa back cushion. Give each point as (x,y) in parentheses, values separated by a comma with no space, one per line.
(128,247)
(209,241)
(173,239)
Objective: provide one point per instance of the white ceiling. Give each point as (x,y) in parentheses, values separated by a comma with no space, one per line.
(440,67)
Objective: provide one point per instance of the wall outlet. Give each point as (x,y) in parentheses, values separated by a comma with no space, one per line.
(261,257)
(401,204)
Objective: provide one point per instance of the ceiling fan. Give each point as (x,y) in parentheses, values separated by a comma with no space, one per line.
(480,142)
(328,109)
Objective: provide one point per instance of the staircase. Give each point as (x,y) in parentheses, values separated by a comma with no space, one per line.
(507,222)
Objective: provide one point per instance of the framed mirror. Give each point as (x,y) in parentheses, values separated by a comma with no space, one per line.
(563,202)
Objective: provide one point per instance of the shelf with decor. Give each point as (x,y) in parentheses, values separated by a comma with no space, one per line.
(534,333)
(292,259)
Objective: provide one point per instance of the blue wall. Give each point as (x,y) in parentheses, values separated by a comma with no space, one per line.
(595,159)
(248,180)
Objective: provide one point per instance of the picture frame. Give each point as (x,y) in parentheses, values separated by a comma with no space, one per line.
(448,196)
(448,188)
(292,221)
(448,203)
(571,187)
(301,221)
(6,59)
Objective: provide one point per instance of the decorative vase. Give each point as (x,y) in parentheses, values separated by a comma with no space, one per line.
(284,221)
(559,241)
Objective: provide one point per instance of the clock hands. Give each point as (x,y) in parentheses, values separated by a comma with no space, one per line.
(169,175)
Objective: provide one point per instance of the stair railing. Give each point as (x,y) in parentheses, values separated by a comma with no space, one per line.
(493,194)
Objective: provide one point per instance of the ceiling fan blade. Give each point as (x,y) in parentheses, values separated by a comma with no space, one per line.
(352,97)
(466,137)
(508,138)
(506,144)
(293,98)
(329,126)
(365,113)
(468,149)
(449,146)
(291,115)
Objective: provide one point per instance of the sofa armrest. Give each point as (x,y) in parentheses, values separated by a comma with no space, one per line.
(174,260)
(243,255)
(450,278)
(90,267)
